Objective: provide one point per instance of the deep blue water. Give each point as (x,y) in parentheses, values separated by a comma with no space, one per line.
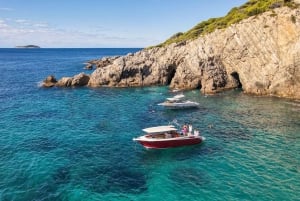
(76,143)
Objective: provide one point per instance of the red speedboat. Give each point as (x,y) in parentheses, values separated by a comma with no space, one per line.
(161,137)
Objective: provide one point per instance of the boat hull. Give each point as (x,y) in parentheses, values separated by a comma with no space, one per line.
(179,105)
(163,144)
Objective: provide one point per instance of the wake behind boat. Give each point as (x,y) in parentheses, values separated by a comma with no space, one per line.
(161,137)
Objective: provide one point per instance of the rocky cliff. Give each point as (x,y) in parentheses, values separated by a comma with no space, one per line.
(260,54)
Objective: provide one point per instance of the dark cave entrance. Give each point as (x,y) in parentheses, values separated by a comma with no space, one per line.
(236,77)
(171,74)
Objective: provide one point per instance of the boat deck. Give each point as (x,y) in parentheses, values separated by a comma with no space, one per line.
(163,135)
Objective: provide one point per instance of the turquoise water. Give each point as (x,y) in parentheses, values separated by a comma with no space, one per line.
(76,144)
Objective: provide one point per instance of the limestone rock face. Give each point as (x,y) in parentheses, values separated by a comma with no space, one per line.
(260,54)
(88,66)
(102,62)
(64,82)
(80,80)
(50,81)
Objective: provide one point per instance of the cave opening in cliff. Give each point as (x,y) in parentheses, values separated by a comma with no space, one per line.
(171,74)
(236,77)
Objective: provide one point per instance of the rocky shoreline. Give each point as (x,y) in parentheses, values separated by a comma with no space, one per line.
(261,55)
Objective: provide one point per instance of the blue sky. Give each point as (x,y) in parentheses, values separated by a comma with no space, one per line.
(102,23)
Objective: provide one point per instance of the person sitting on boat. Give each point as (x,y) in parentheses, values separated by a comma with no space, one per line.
(185,129)
(168,135)
(174,134)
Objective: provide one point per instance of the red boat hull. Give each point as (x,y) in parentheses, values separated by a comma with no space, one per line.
(170,143)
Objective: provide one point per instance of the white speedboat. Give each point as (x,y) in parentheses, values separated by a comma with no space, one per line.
(176,102)
(179,104)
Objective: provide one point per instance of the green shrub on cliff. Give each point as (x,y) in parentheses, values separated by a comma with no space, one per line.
(236,14)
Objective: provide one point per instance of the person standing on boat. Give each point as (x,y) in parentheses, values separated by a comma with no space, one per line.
(190,128)
(196,132)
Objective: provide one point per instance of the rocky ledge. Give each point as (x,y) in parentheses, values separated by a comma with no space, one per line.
(78,80)
(261,55)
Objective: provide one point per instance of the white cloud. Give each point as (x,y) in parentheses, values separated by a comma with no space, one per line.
(3,24)
(6,9)
(15,32)
(22,21)
(41,25)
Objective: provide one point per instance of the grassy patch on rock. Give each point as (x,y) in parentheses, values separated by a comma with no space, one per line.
(235,15)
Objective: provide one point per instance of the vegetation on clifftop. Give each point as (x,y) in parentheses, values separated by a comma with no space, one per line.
(235,15)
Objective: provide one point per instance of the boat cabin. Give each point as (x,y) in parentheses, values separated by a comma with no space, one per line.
(161,132)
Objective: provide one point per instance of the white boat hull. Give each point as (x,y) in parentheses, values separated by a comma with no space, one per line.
(179,105)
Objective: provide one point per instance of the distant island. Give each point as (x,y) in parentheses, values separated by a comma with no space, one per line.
(28,46)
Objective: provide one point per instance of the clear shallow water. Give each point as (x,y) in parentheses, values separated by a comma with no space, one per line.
(76,144)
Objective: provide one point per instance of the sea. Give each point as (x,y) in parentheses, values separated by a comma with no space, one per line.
(76,143)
